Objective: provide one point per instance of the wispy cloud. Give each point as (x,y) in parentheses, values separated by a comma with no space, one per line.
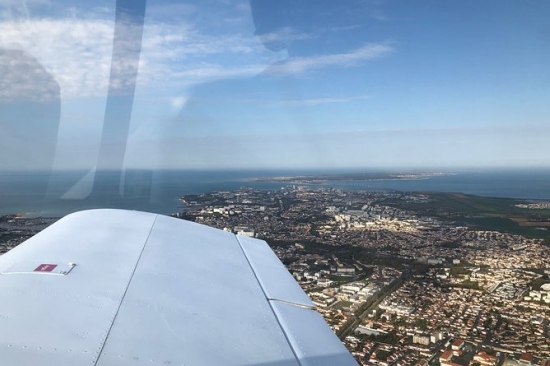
(316,101)
(299,65)
(286,34)
(214,72)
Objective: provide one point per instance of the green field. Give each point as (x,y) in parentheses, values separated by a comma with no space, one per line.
(485,213)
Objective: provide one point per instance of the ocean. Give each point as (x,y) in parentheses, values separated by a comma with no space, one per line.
(59,193)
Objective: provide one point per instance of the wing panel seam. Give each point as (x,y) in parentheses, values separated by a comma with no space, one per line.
(269,303)
(302,306)
(125,292)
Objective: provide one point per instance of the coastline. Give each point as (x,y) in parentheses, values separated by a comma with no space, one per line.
(26,194)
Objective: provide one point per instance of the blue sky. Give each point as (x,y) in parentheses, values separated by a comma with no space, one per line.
(284,84)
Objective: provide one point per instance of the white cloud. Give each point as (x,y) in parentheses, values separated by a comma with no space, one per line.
(23,79)
(299,65)
(77,53)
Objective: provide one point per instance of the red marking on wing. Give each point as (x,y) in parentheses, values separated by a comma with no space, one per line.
(45,267)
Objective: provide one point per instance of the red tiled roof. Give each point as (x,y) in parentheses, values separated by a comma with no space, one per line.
(526,357)
(447,355)
(458,342)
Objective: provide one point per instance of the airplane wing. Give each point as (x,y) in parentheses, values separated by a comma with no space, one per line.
(115,287)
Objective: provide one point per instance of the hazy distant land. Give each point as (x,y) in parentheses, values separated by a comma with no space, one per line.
(370,176)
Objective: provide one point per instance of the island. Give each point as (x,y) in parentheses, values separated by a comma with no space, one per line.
(368,176)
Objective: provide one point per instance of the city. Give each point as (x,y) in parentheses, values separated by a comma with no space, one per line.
(398,287)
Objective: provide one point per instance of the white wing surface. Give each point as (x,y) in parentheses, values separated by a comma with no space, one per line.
(115,287)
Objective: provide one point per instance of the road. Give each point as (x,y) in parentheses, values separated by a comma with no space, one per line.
(358,319)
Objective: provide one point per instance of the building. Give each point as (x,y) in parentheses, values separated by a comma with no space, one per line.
(485,360)
(458,344)
(526,359)
(421,339)
(446,357)
(244,231)
(345,271)
(436,337)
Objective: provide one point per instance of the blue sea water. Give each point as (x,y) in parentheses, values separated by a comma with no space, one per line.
(53,194)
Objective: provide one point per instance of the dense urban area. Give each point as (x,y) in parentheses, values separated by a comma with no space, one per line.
(402,278)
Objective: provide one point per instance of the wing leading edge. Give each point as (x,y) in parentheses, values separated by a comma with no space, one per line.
(148,289)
